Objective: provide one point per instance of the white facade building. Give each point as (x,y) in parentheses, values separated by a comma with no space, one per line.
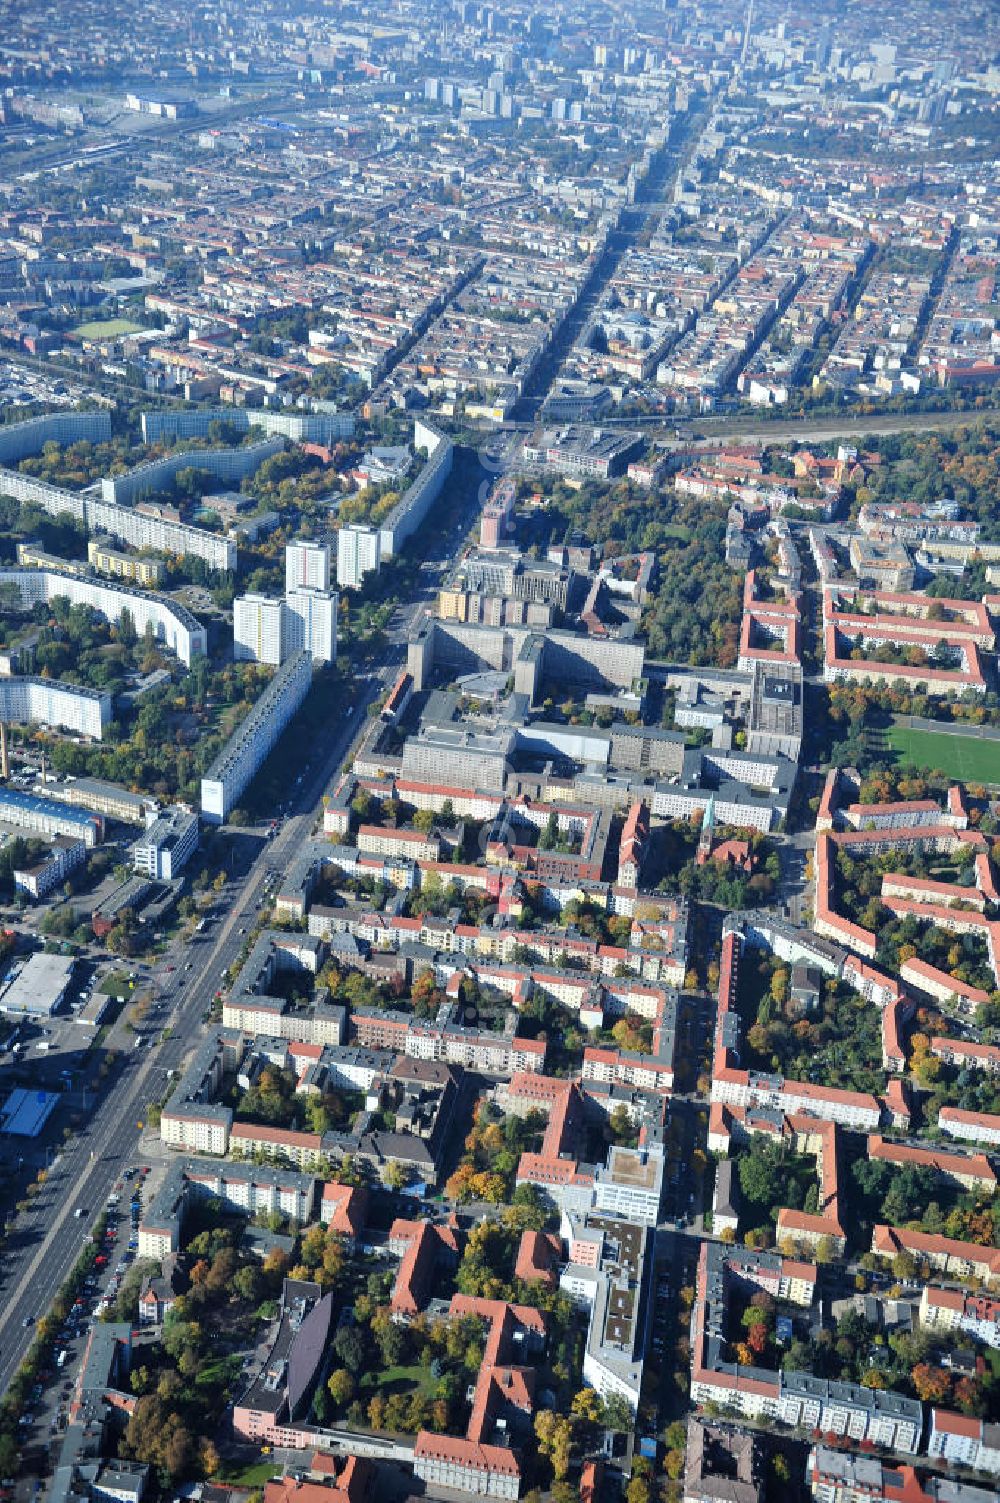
(965,1441)
(106,515)
(631,1186)
(608,1273)
(359,552)
(482,1471)
(847,1409)
(411,509)
(324,426)
(136,528)
(171,623)
(47,701)
(227,465)
(268,629)
(307,565)
(65,853)
(259,629)
(311,623)
(18,440)
(975,1127)
(168,844)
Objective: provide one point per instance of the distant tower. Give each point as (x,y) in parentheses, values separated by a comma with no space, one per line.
(746,34)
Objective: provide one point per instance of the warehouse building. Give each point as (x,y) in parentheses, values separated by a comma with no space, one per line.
(37,986)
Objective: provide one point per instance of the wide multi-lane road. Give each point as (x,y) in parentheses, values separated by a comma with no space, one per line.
(46,1240)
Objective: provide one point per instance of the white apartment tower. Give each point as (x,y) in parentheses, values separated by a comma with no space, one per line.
(259,629)
(311,623)
(307,566)
(358,553)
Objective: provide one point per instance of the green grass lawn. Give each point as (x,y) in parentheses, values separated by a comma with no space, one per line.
(107,328)
(115,985)
(254,1475)
(963,757)
(400,1379)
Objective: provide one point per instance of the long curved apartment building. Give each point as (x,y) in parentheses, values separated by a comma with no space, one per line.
(172,624)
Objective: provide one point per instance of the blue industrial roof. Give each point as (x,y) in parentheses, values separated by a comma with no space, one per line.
(35,804)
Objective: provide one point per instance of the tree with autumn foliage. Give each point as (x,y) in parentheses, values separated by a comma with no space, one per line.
(554,1434)
(468,1184)
(930,1384)
(757,1339)
(425,995)
(321,1256)
(493,1148)
(587,1407)
(969,1396)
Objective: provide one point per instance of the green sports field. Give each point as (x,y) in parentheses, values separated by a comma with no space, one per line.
(108,328)
(964,757)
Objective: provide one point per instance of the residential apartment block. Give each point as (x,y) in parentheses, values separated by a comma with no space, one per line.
(248,747)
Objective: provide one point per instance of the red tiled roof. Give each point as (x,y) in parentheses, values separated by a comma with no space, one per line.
(889,1240)
(975,1165)
(591,1477)
(964,1049)
(536,1255)
(345,1206)
(466,1453)
(919,971)
(353,1478)
(957,1114)
(256,1132)
(957,1424)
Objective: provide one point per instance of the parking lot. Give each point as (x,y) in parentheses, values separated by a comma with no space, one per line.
(53,1395)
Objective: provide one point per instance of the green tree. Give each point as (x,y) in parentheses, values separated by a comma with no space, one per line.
(394,1176)
(351,1348)
(549,838)
(248,1283)
(341,1387)
(618,1414)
